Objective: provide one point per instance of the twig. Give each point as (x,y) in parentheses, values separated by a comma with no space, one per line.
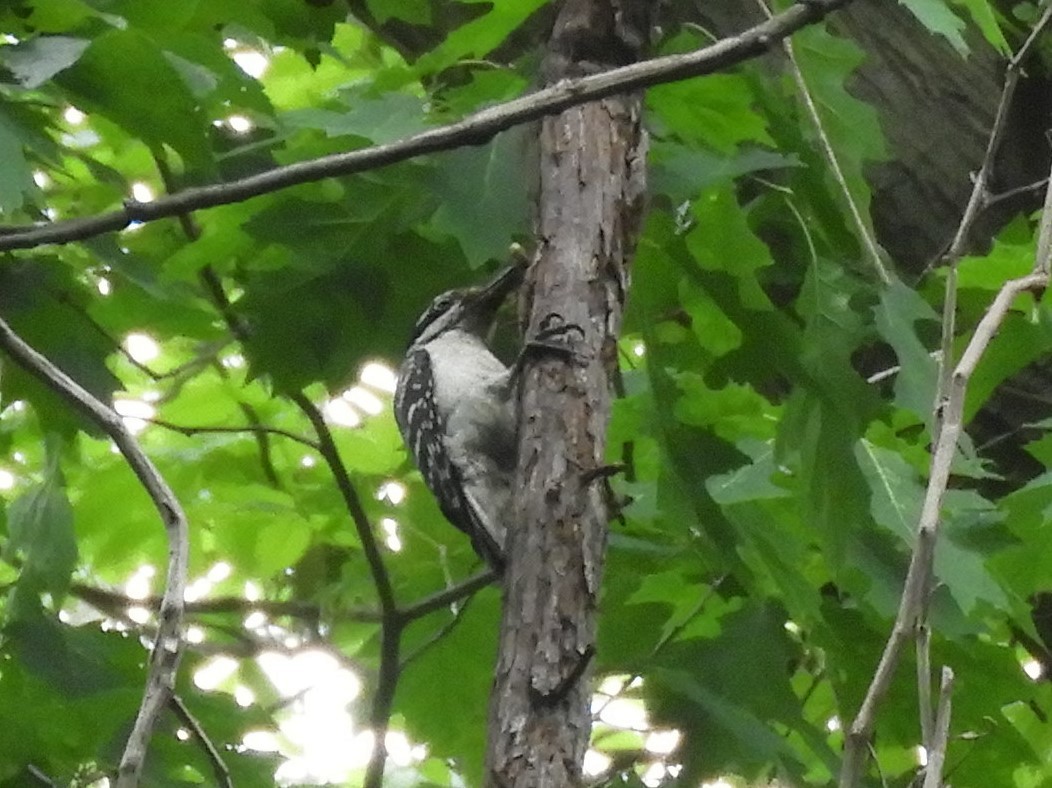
(927,717)
(390,619)
(1008,194)
(663,641)
(442,632)
(980,192)
(392,622)
(108,600)
(941,735)
(949,411)
(39,775)
(215,758)
(192,231)
(331,455)
(446,597)
(915,589)
(863,231)
(473,130)
(168,645)
(188,430)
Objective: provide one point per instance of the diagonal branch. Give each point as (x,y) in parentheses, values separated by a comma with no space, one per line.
(862,230)
(105,600)
(918,576)
(948,424)
(447,596)
(215,758)
(248,429)
(168,645)
(391,621)
(473,130)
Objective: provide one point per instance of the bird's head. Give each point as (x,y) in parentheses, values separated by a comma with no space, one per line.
(470,309)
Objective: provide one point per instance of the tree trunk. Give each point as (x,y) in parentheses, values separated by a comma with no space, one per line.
(592,184)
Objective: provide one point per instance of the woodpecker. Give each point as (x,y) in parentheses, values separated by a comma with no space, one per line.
(454,407)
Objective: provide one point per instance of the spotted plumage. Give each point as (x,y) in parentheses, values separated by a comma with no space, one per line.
(453,405)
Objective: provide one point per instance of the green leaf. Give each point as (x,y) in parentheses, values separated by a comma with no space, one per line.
(735,693)
(117,76)
(985,17)
(717,112)
(42,303)
(480,36)
(682,172)
(15,177)
(467,652)
(417,12)
(852,126)
(117,539)
(40,527)
(36,61)
(1011,256)
(896,318)
(939,19)
(376,118)
(482,202)
(723,241)
(896,505)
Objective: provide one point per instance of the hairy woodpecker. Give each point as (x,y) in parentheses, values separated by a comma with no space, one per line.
(454,407)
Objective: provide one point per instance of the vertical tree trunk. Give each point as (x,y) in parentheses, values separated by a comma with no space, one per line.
(592,181)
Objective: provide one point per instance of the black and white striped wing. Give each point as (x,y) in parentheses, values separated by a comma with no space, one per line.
(423,431)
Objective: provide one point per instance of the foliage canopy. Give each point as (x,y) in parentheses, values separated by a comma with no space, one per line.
(775,471)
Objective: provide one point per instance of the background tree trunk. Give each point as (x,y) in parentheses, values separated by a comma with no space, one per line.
(592,183)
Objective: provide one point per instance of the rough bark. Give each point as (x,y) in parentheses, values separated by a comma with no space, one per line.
(592,183)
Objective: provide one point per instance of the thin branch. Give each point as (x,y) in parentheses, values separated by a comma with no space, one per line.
(438,636)
(663,641)
(863,231)
(949,414)
(192,231)
(448,596)
(941,734)
(392,622)
(215,758)
(476,129)
(331,455)
(188,430)
(917,577)
(65,300)
(927,716)
(168,645)
(1008,194)
(980,192)
(107,600)
(39,775)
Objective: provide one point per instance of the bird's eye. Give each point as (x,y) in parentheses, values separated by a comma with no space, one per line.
(440,306)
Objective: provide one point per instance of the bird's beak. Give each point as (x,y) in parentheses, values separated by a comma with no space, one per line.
(491,295)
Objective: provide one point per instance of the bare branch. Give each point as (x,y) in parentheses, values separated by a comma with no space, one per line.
(948,424)
(107,600)
(391,622)
(250,429)
(941,734)
(865,233)
(447,596)
(438,636)
(168,645)
(473,130)
(215,758)
(927,716)
(980,192)
(917,578)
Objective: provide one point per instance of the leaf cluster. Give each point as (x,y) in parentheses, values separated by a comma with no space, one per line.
(775,409)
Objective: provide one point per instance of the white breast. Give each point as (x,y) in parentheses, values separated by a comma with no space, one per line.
(463,368)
